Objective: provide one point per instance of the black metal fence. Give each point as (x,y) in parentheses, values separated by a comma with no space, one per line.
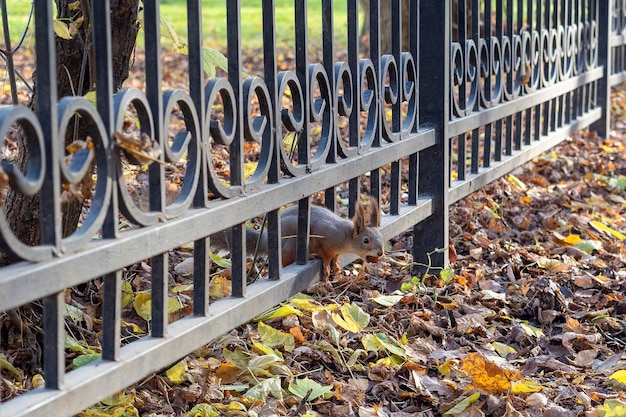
(479,88)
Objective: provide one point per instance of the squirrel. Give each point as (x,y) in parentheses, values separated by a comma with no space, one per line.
(330,236)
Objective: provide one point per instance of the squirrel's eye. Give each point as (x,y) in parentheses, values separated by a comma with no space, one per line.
(366,240)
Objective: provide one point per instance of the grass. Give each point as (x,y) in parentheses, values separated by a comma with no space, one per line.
(214,22)
(18,12)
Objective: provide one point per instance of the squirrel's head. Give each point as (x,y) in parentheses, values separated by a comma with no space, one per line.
(367,239)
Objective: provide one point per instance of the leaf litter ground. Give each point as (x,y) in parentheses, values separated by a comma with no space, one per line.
(529,320)
(530,323)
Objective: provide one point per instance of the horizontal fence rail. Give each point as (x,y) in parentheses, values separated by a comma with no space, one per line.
(454,93)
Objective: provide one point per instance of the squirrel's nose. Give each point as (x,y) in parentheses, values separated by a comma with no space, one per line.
(380,252)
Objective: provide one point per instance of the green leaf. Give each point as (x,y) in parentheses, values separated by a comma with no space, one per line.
(588,246)
(371,343)
(446,275)
(612,408)
(264,365)
(219,261)
(618,182)
(272,337)
(73,313)
(5,364)
(301,387)
(212,58)
(352,318)
(377,342)
(73,345)
(168,31)
(462,405)
(391,347)
(85,359)
(261,391)
(356,355)
(387,300)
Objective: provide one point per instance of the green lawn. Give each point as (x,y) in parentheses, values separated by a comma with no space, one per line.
(18,11)
(214,21)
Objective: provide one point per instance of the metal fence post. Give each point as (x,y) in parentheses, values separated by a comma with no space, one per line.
(434,49)
(603,98)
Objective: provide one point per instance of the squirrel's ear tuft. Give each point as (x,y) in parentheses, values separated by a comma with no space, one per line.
(374,212)
(358,220)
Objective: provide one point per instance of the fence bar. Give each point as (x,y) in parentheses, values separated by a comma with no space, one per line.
(434,112)
(602,126)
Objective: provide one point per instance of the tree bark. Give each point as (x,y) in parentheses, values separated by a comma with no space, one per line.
(385,26)
(74,78)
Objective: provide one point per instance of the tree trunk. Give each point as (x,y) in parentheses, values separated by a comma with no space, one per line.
(73,67)
(385,26)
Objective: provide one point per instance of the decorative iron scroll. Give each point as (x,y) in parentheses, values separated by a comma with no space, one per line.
(490,71)
(324,101)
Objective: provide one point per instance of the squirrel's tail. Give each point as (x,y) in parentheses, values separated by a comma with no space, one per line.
(256,241)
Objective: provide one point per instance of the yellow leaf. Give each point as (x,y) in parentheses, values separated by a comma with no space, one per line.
(352,318)
(503,349)
(127,293)
(133,326)
(203,410)
(531,330)
(91,97)
(272,337)
(142,305)
(617,380)
(619,376)
(280,311)
(601,227)
(445,368)
(176,374)
(547,263)
(612,408)
(183,288)
(347,323)
(61,29)
(517,182)
(309,305)
(518,387)
(249,168)
(264,349)
(119,399)
(220,287)
(290,141)
(573,239)
(607,149)
(486,376)
(37,381)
